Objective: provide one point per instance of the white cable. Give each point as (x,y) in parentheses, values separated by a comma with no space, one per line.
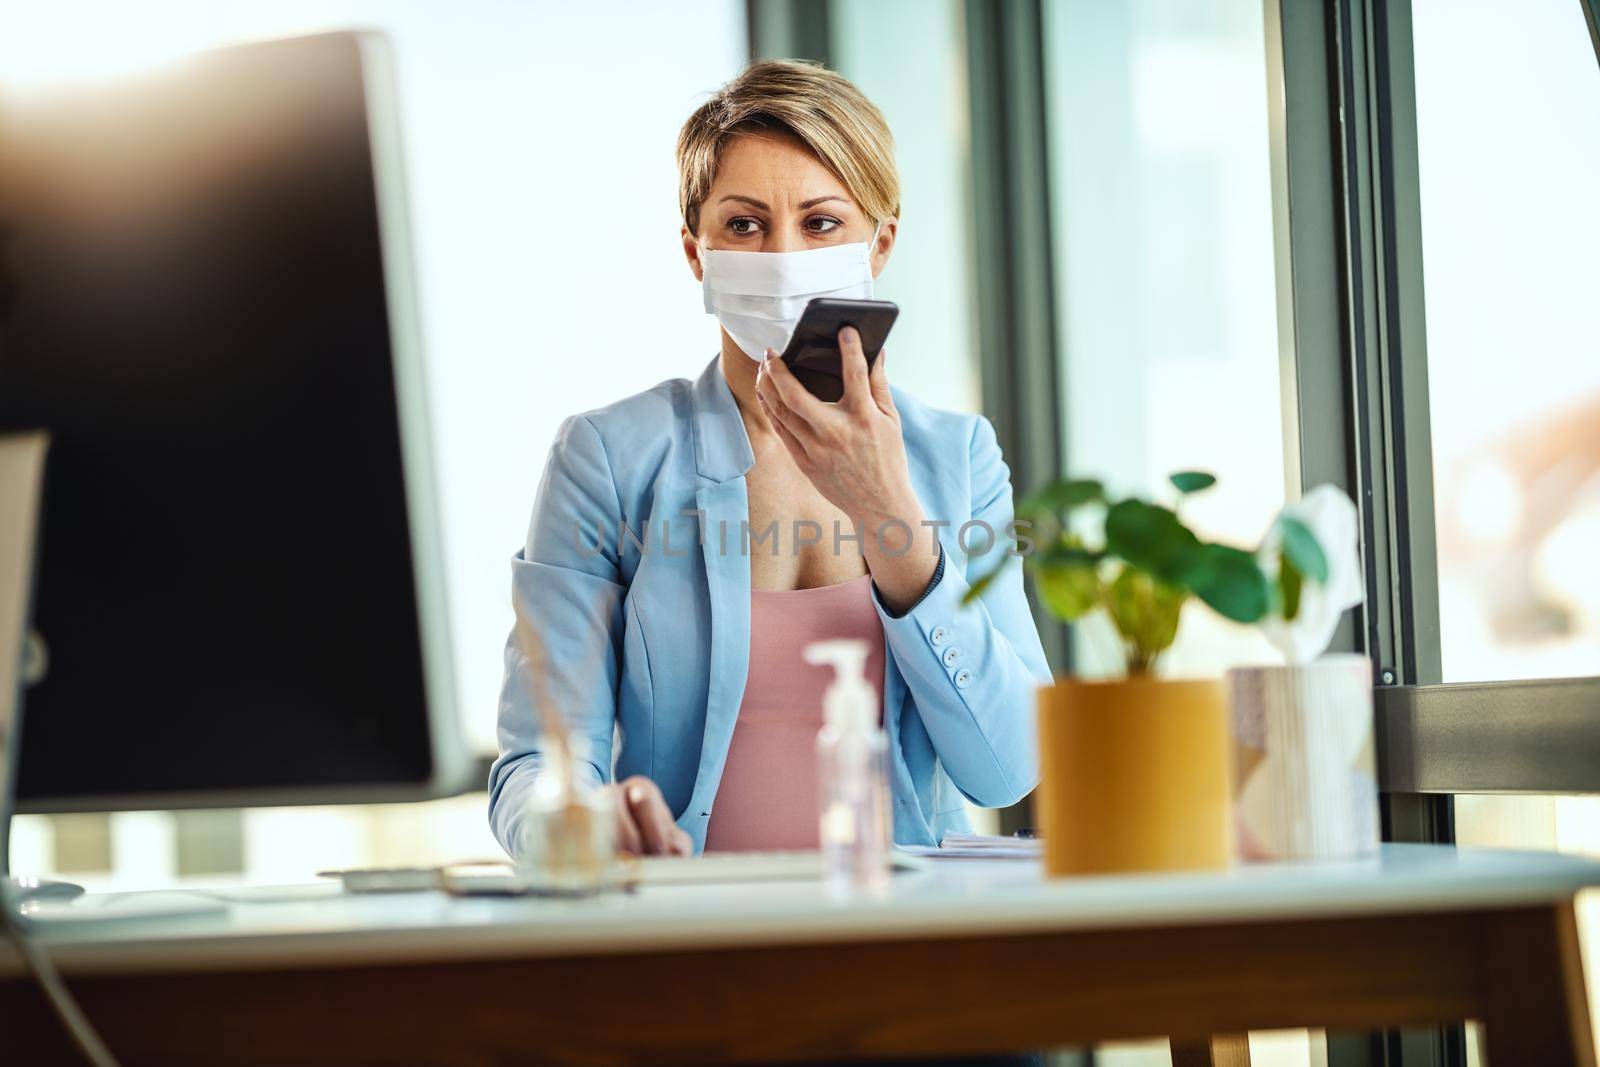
(55,990)
(34,959)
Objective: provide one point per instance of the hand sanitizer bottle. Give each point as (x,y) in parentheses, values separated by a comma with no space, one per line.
(852,770)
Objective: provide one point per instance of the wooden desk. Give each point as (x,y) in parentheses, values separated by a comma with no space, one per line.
(971,956)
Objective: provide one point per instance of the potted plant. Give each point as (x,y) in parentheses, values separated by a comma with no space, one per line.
(1135,772)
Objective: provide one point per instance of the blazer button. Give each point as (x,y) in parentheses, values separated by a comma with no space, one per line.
(963,678)
(951,655)
(938,635)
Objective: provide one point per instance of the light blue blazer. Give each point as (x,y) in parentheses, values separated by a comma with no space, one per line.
(643,625)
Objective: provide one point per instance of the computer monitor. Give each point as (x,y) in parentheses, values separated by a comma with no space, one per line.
(206,301)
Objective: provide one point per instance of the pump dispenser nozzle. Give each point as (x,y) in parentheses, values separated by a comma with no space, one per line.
(850,703)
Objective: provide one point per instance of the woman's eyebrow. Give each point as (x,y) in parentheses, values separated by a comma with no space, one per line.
(762,206)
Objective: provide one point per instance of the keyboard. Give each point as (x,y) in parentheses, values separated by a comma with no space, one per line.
(115,907)
(501,879)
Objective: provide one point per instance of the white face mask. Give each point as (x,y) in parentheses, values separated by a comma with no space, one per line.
(758,296)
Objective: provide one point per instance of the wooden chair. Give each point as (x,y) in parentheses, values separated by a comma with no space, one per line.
(1219,1050)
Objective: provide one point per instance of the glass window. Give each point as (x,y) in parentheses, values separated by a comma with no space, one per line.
(1510,225)
(920,85)
(1162,216)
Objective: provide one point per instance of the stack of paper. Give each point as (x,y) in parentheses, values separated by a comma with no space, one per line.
(979,846)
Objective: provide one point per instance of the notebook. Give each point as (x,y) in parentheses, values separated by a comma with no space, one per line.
(980,847)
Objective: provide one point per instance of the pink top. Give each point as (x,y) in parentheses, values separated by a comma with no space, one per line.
(768,795)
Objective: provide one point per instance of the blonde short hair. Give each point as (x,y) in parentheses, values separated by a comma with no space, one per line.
(828,114)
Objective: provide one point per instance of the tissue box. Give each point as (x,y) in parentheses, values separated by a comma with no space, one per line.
(1304,768)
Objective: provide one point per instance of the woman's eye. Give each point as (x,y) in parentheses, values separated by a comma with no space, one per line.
(743,226)
(822,224)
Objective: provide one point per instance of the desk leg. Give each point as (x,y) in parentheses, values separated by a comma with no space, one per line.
(1219,1050)
(1536,1008)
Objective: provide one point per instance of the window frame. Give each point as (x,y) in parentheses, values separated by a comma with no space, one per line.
(1344,126)
(1351,313)
(1351,245)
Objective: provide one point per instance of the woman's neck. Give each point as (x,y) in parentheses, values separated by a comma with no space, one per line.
(739,371)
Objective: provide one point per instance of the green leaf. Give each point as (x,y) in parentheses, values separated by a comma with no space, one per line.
(1231,583)
(1068,550)
(1069,590)
(1193,481)
(1145,613)
(1062,495)
(1301,547)
(976,589)
(1151,538)
(1289,585)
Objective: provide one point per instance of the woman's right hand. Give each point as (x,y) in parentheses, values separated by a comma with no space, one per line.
(644,823)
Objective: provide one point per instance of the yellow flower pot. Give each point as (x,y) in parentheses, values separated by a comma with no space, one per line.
(1134,776)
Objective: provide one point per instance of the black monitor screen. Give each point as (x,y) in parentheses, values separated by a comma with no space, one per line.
(194,307)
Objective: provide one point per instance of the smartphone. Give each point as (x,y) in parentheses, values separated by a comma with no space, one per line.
(813,352)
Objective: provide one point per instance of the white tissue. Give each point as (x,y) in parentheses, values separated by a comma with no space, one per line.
(1332,518)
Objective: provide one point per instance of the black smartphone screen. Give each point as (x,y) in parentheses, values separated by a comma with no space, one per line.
(813,352)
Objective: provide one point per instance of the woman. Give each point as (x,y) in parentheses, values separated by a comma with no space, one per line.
(688,542)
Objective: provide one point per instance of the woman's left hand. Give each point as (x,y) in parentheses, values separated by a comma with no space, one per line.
(854,455)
